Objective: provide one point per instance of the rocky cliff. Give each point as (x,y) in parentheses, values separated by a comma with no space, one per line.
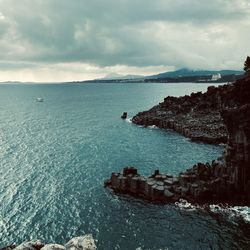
(197,116)
(237,155)
(221,114)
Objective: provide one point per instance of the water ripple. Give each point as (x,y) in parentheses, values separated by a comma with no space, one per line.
(55,156)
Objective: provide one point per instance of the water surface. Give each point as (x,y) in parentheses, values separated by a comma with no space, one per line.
(55,155)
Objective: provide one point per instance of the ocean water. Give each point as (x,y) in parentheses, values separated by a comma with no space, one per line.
(55,155)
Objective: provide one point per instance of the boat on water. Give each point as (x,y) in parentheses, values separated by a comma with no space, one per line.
(39,99)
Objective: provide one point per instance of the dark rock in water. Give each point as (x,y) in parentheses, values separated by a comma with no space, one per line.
(124,115)
(129,170)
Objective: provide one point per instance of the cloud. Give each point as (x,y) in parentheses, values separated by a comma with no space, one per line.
(138,34)
(63,72)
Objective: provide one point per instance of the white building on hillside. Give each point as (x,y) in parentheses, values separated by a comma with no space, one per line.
(216,77)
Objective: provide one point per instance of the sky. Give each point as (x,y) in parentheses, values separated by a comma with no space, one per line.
(63,40)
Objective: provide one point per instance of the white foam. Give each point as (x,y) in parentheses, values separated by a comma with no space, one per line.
(242,212)
(236,212)
(185,205)
(153,127)
(129,120)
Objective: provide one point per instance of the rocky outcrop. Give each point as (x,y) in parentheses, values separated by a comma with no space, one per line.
(124,115)
(203,183)
(31,245)
(53,247)
(209,117)
(79,243)
(197,116)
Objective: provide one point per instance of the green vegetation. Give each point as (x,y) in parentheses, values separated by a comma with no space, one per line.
(247,66)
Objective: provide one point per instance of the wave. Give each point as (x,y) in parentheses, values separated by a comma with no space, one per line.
(235,212)
(153,127)
(129,120)
(185,205)
(238,212)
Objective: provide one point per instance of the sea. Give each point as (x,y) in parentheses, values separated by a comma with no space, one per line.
(56,154)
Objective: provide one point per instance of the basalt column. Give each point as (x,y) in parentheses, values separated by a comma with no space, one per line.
(238,151)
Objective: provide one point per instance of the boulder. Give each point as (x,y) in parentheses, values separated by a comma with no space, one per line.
(31,245)
(81,243)
(124,115)
(53,247)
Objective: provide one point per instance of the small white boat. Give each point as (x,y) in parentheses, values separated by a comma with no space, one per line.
(39,99)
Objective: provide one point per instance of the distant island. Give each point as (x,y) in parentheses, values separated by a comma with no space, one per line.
(181,75)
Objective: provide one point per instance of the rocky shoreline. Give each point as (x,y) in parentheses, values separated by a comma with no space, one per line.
(201,184)
(221,115)
(197,116)
(85,242)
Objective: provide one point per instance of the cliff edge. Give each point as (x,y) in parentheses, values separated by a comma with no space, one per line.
(222,114)
(197,116)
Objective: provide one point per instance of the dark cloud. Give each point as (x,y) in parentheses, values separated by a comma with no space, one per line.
(136,33)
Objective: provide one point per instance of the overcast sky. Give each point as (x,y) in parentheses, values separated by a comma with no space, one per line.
(63,40)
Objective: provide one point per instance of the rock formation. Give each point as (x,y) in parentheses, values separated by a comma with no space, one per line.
(197,116)
(79,243)
(238,149)
(203,183)
(222,114)
(31,245)
(124,115)
(53,247)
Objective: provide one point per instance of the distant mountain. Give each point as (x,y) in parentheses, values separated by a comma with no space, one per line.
(115,76)
(188,72)
(181,75)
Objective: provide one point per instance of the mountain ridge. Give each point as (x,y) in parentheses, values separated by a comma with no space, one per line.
(180,73)
(190,72)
